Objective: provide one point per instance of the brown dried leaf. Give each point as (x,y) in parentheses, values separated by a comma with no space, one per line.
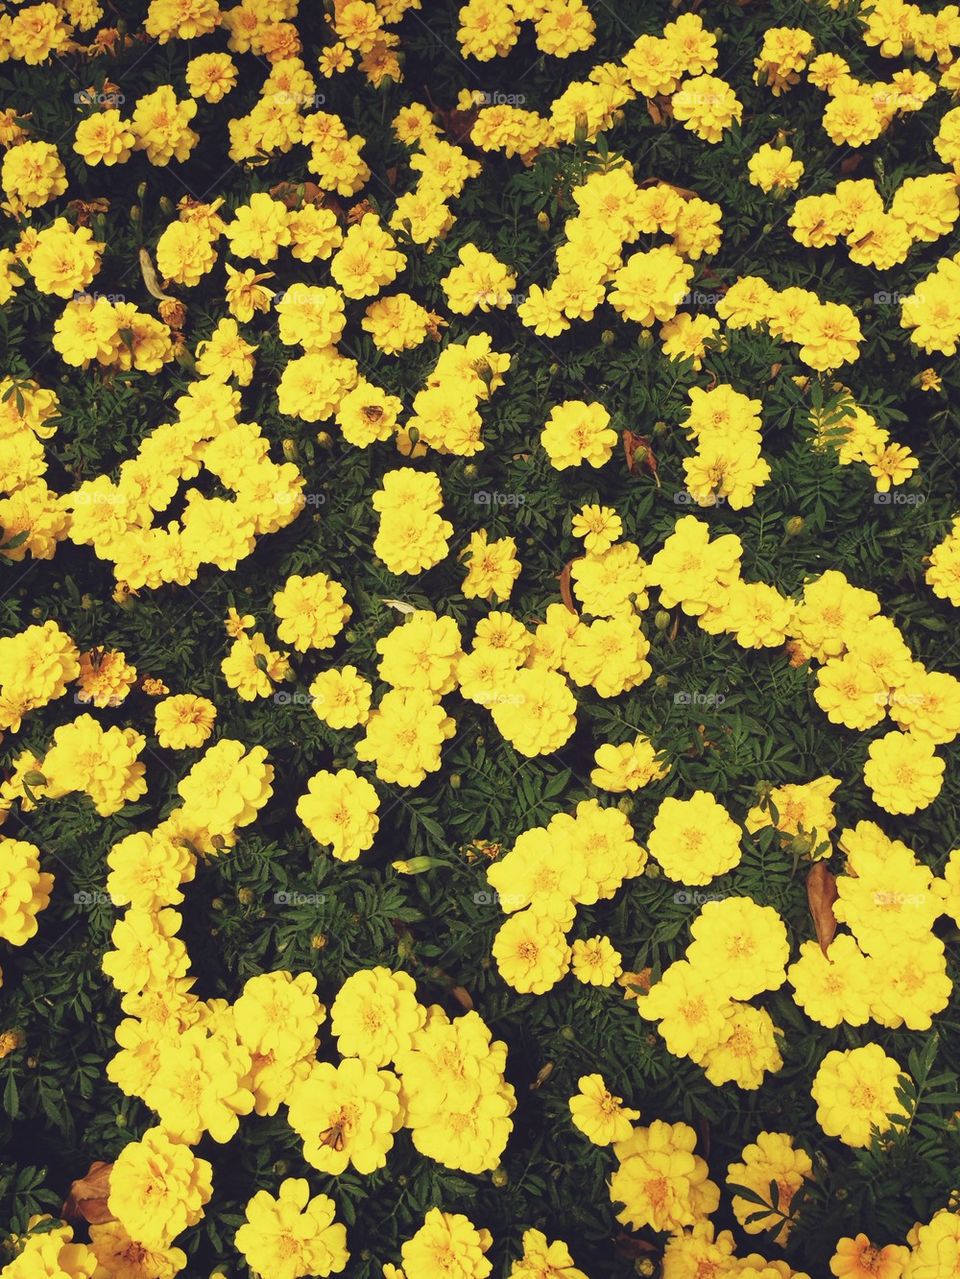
(150,279)
(654,112)
(87,1200)
(565,592)
(628,1246)
(821,894)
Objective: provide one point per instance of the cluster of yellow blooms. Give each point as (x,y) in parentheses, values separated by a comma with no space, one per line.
(855,436)
(921,211)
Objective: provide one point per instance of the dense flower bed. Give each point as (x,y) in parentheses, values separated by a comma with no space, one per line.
(480,559)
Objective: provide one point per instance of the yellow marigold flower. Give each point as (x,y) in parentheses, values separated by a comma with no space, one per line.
(578,432)
(345,1115)
(741,945)
(774,168)
(290,1235)
(600,1116)
(312,611)
(480,281)
(706,105)
(660,1181)
(404,736)
(32,173)
(903,773)
(160,125)
(24,890)
(259,228)
(933,1244)
(158,1188)
(834,987)
(115,1251)
(651,286)
(492,567)
(531,952)
(422,652)
(50,1252)
(852,119)
(184,721)
(341,698)
(627,767)
(104,138)
(105,677)
(65,259)
(536,712)
(251,667)
(447,1243)
(858,1258)
(340,809)
(147,870)
(376,1015)
(211,76)
(745,1050)
(544,1260)
(598,526)
(689,1008)
(694,839)
(595,962)
(771,1158)
(855,1091)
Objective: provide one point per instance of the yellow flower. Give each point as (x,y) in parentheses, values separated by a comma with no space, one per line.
(158,1188)
(772,1158)
(600,1116)
(855,1091)
(184,721)
(694,839)
(290,1234)
(345,1114)
(339,809)
(447,1243)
